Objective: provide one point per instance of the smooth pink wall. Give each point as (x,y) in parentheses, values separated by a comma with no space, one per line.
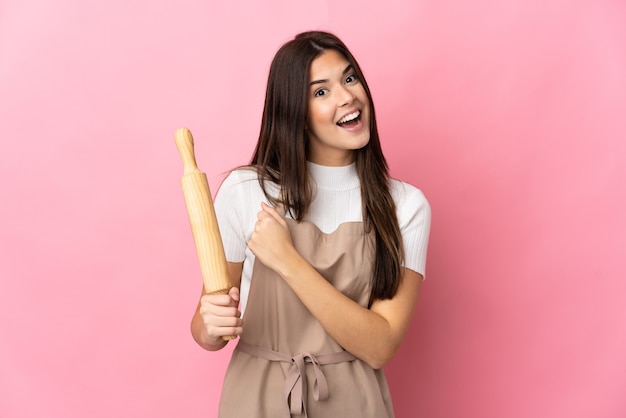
(510,115)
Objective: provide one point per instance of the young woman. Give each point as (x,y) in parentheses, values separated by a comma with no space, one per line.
(326,251)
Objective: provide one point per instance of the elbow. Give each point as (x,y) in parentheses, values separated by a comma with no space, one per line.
(379,359)
(378,363)
(382,350)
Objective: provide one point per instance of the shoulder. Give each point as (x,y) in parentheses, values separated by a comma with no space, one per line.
(414,218)
(238,185)
(410,202)
(405,193)
(240,177)
(243,183)
(241,180)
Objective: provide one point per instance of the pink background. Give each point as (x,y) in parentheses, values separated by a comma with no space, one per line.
(510,115)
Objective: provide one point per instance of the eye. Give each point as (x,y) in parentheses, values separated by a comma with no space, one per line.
(352,78)
(320,92)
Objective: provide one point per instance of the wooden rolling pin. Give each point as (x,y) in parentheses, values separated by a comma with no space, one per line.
(204,227)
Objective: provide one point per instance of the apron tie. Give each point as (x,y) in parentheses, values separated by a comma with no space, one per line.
(295,388)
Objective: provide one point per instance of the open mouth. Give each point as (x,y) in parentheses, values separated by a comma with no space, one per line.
(350,120)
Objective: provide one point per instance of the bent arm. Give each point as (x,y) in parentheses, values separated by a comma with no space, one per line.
(374,334)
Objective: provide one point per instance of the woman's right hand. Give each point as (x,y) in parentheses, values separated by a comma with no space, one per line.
(220,317)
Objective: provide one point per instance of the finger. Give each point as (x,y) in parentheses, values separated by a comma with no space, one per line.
(262,215)
(231,319)
(225,331)
(272,211)
(218,300)
(234,293)
(216,310)
(225,328)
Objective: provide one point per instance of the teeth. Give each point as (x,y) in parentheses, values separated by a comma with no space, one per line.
(349,117)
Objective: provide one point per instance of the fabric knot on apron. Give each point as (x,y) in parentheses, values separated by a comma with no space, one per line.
(295,388)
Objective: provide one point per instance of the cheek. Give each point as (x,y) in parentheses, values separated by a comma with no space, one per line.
(363,96)
(366,103)
(319,114)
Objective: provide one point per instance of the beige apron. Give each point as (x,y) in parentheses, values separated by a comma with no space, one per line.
(285,364)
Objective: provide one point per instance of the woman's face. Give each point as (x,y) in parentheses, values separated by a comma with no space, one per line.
(338,119)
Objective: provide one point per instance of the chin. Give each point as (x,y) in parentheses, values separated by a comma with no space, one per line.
(362,143)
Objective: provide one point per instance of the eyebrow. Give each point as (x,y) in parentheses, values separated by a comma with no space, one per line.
(345,71)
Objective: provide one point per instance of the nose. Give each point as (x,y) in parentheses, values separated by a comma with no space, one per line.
(344,96)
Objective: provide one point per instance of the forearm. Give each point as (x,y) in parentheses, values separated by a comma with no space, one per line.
(365,333)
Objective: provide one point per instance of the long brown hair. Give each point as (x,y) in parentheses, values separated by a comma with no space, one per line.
(281,153)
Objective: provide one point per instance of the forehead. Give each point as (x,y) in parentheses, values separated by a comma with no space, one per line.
(328,65)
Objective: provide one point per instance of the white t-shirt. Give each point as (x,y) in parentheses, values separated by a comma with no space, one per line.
(337,199)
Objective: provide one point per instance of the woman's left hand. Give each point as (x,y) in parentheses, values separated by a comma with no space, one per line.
(271,241)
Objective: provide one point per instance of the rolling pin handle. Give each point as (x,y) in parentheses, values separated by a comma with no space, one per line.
(184,143)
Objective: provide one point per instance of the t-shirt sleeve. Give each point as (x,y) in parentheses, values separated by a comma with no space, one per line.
(229,209)
(414,217)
